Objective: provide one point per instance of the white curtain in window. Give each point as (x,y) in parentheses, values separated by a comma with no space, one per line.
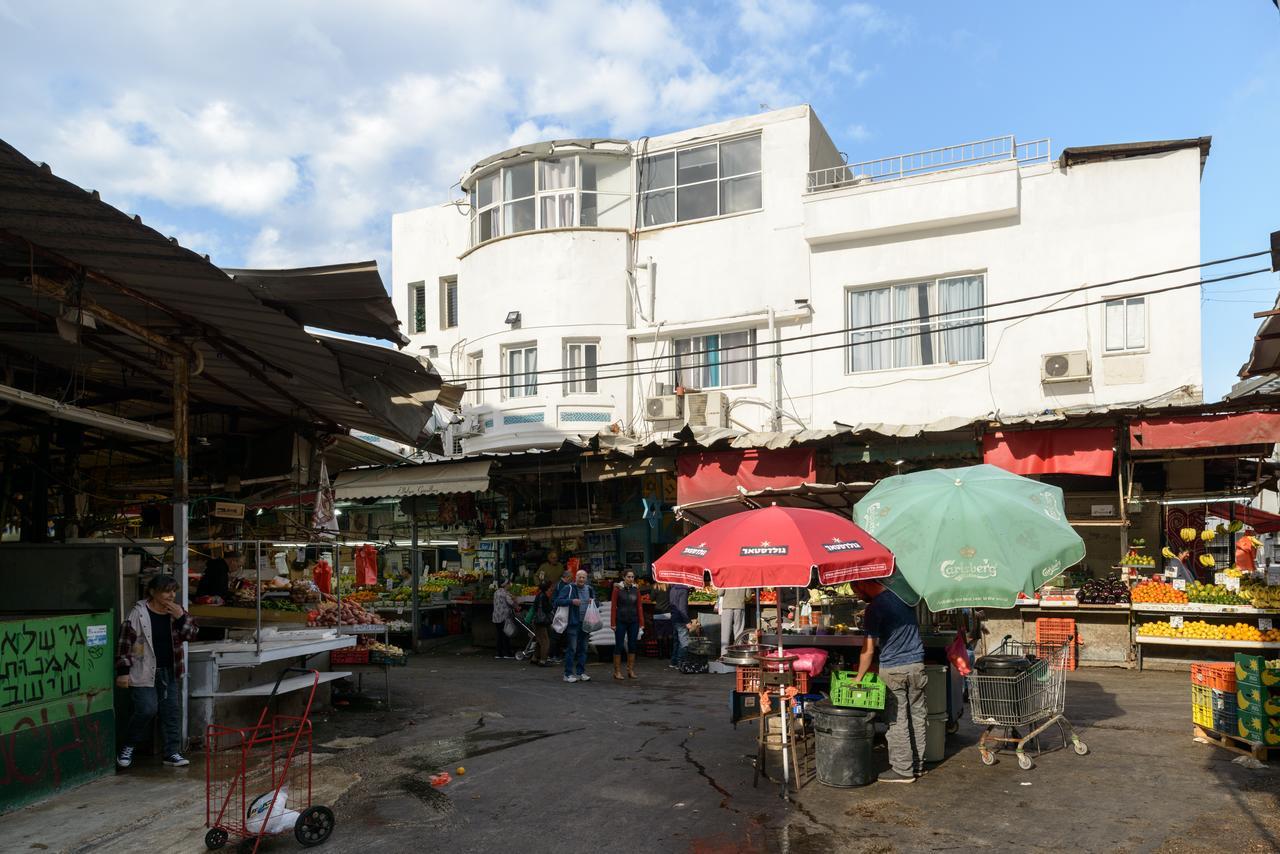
(734,346)
(530,377)
(963,294)
(912,329)
(558,174)
(1135,323)
(1115,325)
(868,352)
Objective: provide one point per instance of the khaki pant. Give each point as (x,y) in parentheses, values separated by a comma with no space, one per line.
(905,709)
(544,643)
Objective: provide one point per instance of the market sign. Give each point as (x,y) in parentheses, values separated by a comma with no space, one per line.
(228,510)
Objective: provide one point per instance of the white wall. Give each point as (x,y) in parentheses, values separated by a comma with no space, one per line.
(1029,230)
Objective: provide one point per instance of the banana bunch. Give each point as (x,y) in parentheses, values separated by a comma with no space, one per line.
(1188,534)
(1168,553)
(1207,535)
(1206,561)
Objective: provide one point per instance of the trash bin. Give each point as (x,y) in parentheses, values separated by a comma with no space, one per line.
(935,737)
(843,744)
(935,691)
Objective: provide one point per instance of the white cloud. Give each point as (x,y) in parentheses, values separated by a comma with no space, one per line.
(306,124)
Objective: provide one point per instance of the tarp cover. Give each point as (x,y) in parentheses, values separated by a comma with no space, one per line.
(719,474)
(1083,450)
(1205,431)
(431,479)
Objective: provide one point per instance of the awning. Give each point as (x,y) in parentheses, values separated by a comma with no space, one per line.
(1207,431)
(402,481)
(719,474)
(837,497)
(1081,450)
(1259,520)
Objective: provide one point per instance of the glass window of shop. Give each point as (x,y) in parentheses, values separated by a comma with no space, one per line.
(569,191)
(700,182)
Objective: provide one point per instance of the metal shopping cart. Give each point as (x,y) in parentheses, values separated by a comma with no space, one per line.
(1021,686)
(258,778)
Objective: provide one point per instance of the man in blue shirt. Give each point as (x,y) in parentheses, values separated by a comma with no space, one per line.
(576,597)
(892,630)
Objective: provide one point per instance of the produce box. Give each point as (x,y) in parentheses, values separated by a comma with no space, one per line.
(1253,669)
(1219,675)
(1258,729)
(379,657)
(352,655)
(867,694)
(1257,700)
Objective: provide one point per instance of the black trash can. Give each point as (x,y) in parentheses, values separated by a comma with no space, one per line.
(843,744)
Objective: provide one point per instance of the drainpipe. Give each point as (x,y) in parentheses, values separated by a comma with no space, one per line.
(775,376)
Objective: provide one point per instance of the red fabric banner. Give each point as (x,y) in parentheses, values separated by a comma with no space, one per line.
(719,474)
(1206,431)
(1259,520)
(1077,450)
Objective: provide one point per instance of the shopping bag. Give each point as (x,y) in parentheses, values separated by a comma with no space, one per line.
(958,654)
(509,628)
(560,621)
(591,621)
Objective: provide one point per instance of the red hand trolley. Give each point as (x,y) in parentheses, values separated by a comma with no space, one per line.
(258,779)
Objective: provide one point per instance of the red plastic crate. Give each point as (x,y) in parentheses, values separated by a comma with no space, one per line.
(1055,631)
(1213,674)
(351,655)
(748,679)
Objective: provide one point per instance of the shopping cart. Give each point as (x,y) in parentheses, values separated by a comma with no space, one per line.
(258,778)
(1032,698)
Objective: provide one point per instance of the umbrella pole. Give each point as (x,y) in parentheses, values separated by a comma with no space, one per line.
(782,708)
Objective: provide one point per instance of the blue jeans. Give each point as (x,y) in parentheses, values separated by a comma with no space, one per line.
(165,699)
(630,632)
(681,641)
(575,651)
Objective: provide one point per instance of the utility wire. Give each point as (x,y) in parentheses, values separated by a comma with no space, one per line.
(514,379)
(886,323)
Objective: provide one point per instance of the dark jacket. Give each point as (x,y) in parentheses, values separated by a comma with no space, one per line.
(678,604)
(542,610)
(626,604)
(583,594)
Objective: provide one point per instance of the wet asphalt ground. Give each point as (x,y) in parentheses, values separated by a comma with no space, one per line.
(654,766)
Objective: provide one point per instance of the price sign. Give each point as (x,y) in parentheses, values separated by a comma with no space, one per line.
(1220,578)
(1273,576)
(1176,621)
(1264,624)
(1179,584)
(1232,584)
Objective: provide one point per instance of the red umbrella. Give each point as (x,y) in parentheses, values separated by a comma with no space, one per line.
(775,547)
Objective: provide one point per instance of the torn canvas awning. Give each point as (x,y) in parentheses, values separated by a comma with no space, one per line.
(718,474)
(1083,450)
(1259,520)
(1205,431)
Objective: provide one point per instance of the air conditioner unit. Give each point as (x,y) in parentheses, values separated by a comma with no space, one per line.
(664,408)
(471,425)
(707,409)
(1064,367)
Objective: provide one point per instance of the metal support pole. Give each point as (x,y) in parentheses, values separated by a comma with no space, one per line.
(775,376)
(181,379)
(415,558)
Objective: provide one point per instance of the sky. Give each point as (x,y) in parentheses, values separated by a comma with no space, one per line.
(287,133)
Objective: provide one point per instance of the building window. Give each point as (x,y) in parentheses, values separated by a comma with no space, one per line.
(1126,324)
(936,321)
(449,302)
(475,378)
(418,306)
(714,361)
(580,360)
(558,192)
(700,181)
(522,367)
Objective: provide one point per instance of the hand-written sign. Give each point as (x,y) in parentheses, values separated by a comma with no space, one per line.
(1175,621)
(40,660)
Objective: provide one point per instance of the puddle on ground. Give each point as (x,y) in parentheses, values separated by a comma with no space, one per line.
(427,793)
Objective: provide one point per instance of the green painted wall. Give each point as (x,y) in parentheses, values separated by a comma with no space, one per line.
(57,724)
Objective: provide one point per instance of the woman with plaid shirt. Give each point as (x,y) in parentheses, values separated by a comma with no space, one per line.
(149,664)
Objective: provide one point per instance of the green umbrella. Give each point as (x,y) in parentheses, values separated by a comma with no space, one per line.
(969,537)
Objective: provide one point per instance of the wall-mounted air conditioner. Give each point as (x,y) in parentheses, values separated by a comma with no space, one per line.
(664,408)
(707,409)
(1064,367)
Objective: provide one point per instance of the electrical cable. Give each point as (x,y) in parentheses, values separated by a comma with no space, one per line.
(845,344)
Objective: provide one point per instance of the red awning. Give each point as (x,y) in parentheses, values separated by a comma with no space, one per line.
(1259,520)
(1206,431)
(1077,450)
(719,474)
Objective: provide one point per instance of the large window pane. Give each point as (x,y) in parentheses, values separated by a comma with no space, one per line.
(738,346)
(489,225)
(696,164)
(914,341)
(656,172)
(606,174)
(557,211)
(487,190)
(517,181)
(557,174)
(517,216)
(1135,326)
(739,157)
(740,194)
(697,201)
(962,337)
(868,350)
(658,208)
(1115,325)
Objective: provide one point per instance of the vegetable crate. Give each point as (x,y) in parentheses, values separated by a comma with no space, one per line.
(867,694)
(749,680)
(379,657)
(1253,670)
(1201,706)
(1056,631)
(352,655)
(1217,675)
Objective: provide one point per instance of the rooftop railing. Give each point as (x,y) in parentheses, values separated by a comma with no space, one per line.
(901,166)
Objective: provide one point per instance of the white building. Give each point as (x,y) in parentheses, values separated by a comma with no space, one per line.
(897,291)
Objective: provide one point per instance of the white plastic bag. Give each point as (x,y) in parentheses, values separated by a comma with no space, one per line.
(592,621)
(560,621)
(281,817)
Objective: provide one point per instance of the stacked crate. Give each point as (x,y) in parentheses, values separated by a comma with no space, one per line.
(1053,632)
(1213,696)
(1258,699)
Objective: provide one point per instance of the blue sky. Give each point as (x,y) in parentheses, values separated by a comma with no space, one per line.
(287,133)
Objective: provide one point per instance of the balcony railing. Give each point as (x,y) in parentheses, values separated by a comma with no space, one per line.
(933,160)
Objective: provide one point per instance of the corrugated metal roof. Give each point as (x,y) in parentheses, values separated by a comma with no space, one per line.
(255,357)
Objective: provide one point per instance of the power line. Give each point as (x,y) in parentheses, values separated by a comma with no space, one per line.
(571,376)
(871,326)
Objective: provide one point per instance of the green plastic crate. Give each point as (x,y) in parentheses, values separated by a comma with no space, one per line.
(867,694)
